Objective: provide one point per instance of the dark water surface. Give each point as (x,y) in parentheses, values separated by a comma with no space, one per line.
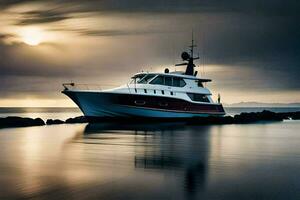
(65,113)
(44,113)
(151,161)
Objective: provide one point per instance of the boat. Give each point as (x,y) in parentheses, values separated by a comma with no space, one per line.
(168,95)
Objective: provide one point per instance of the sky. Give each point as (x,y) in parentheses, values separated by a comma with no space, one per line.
(250,48)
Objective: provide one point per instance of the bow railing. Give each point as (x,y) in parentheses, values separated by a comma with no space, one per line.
(80,86)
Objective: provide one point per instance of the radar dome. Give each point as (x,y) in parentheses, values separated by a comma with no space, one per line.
(185,56)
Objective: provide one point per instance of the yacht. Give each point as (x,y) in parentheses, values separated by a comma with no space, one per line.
(151,95)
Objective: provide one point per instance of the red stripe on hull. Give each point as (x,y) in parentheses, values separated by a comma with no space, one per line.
(165,103)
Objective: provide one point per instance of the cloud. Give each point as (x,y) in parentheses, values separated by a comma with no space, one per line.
(237,35)
(7,3)
(254,7)
(42,16)
(257,7)
(4,36)
(106,32)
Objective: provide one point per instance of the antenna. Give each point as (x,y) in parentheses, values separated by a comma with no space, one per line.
(203,52)
(193,45)
(189,59)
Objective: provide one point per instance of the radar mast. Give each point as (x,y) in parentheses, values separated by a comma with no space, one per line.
(190,59)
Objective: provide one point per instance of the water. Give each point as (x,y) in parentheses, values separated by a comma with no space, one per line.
(151,161)
(44,113)
(65,113)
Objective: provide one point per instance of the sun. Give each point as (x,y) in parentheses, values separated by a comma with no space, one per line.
(32,36)
(32,41)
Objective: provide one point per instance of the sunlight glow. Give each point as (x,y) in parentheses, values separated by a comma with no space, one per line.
(32,36)
(35,102)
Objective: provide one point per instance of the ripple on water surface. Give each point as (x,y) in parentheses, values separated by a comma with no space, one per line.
(151,161)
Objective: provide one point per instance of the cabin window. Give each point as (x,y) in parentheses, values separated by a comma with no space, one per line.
(136,79)
(178,82)
(162,92)
(145,90)
(159,80)
(198,97)
(168,81)
(182,83)
(171,93)
(154,91)
(146,79)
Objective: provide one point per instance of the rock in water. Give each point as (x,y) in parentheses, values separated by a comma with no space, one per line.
(244,118)
(80,119)
(296,115)
(20,122)
(54,121)
(257,116)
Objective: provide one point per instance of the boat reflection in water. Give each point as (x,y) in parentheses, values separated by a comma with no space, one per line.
(151,161)
(162,147)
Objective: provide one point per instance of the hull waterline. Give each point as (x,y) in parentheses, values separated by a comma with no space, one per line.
(114,105)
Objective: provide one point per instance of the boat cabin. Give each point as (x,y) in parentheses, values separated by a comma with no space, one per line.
(166,79)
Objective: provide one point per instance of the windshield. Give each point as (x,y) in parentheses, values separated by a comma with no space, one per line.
(146,79)
(137,78)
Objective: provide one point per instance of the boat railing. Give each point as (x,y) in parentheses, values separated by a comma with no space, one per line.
(80,86)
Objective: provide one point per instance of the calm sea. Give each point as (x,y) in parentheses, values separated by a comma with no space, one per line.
(149,161)
(65,113)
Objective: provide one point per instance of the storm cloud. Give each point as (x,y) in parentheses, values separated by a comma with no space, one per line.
(258,39)
(37,17)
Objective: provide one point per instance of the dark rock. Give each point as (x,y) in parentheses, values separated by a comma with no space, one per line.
(290,115)
(54,121)
(252,117)
(80,119)
(296,115)
(39,122)
(243,118)
(20,122)
(211,120)
(257,116)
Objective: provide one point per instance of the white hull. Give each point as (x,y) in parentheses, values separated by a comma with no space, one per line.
(99,105)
